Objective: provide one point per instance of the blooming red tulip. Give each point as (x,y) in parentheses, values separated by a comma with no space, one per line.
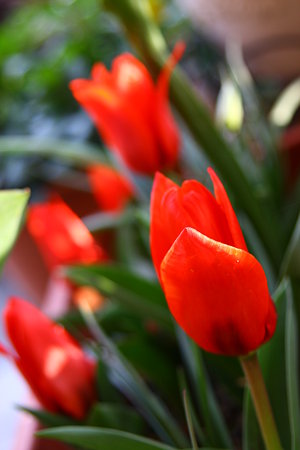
(61,376)
(216,290)
(61,236)
(111,189)
(131,113)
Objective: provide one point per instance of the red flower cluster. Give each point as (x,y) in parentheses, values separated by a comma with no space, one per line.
(61,376)
(216,290)
(111,190)
(61,236)
(131,113)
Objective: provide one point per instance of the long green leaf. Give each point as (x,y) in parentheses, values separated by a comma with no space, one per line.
(124,376)
(76,153)
(291,260)
(216,429)
(115,416)
(92,438)
(12,208)
(292,370)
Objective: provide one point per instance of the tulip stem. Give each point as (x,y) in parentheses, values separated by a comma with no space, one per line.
(252,370)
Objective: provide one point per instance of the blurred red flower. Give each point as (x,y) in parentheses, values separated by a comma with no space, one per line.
(216,290)
(61,376)
(111,190)
(131,113)
(61,236)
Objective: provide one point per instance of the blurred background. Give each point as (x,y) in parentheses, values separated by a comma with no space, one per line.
(45,44)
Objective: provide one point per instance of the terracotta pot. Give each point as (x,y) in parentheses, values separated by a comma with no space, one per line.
(267,30)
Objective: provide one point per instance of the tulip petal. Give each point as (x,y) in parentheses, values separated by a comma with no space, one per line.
(173,208)
(61,236)
(167,218)
(133,82)
(48,357)
(218,294)
(201,206)
(166,127)
(224,202)
(111,190)
(120,124)
(100,74)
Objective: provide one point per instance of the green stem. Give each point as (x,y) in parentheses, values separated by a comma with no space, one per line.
(252,370)
(147,37)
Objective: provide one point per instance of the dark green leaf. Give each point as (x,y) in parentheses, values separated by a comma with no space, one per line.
(291,261)
(153,363)
(292,369)
(124,376)
(49,419)
(117,416)
(93,438)
(216,429)
(141,296)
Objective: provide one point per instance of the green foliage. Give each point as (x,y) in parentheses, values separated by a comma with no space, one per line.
(12,209)
(55,42)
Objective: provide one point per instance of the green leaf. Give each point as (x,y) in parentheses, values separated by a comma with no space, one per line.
(292,369)
(12,209)
(291,260)
(76,153)
(92,438)
(112,317)
(216,429)
(118,416)
(139,295)
(49,419)
(189,420)
(251,432)
(128,381)
(155,365)
(272,360)
(184,387)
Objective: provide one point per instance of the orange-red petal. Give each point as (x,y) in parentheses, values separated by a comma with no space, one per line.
(174,208)
(48,357)
(111,189)
(120,123)
(225,205)
(218,294)
(61,236)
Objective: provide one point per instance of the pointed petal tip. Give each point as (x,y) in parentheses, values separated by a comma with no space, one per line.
(178,50)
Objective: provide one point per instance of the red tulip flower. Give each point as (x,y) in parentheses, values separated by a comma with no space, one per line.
(131,113)
(111,189)
(61,236)
(216,290)
(60,375)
